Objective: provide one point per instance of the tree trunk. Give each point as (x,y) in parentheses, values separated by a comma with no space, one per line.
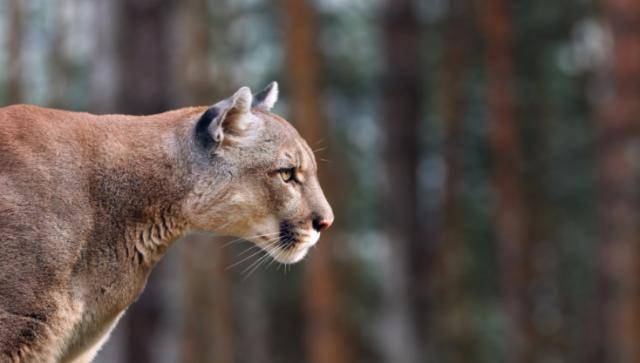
(454,311)
(549,337)
(402,100)
(144,46)
(253,320)
(104,67)
(324,339)
(60,75)
(510,214)
(618,330)
(15,76)
(208,309)
(195,71)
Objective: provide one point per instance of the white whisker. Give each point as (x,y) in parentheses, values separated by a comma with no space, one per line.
(249,238)
(319,149)
(269,242)
(253,254)
(256,265)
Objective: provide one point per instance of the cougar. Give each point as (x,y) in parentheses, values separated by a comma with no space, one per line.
(90,203)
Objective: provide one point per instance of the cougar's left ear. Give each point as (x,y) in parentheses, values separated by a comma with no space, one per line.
(266,98)
(227,117)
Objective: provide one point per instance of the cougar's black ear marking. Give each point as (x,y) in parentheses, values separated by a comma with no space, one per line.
(204,137)
(212,125)
(266,98)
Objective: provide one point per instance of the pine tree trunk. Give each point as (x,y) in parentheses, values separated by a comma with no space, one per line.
(104,67)
(454,311)
(618,108)
(510,213)
(145,51)
(15,76)
(324,339)
(60,76)
(208,309)
(402,101)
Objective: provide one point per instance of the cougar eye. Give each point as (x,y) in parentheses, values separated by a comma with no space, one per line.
(288,174)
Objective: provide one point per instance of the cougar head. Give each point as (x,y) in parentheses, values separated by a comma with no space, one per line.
(255,177)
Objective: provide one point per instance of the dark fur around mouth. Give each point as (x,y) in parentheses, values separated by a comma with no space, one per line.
(288,236)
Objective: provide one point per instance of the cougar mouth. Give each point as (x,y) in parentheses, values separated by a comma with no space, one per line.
(293,243)
(289,235)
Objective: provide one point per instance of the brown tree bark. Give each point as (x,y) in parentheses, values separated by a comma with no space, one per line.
(197,80)
(549,338)
(404,304)
(104,68)
(253,320)
(324,339)
(144,47)
(60,70)
(510,213)
(455,340)
(15,26)
(208,334)
(618,110)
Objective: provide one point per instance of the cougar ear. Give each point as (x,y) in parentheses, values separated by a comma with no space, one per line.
(226,116)
(266,98)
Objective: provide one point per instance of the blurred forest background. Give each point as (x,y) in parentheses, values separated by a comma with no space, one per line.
(482,159)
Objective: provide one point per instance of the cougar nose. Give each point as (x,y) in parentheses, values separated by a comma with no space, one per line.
(321,223)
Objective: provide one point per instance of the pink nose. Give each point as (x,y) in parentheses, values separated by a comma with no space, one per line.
(320,223)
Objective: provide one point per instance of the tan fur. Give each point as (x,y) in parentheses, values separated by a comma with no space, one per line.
(89,204)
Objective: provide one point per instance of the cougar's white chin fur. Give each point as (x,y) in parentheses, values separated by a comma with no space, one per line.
(296,252)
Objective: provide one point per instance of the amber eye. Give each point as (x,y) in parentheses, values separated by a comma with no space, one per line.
(288,174)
